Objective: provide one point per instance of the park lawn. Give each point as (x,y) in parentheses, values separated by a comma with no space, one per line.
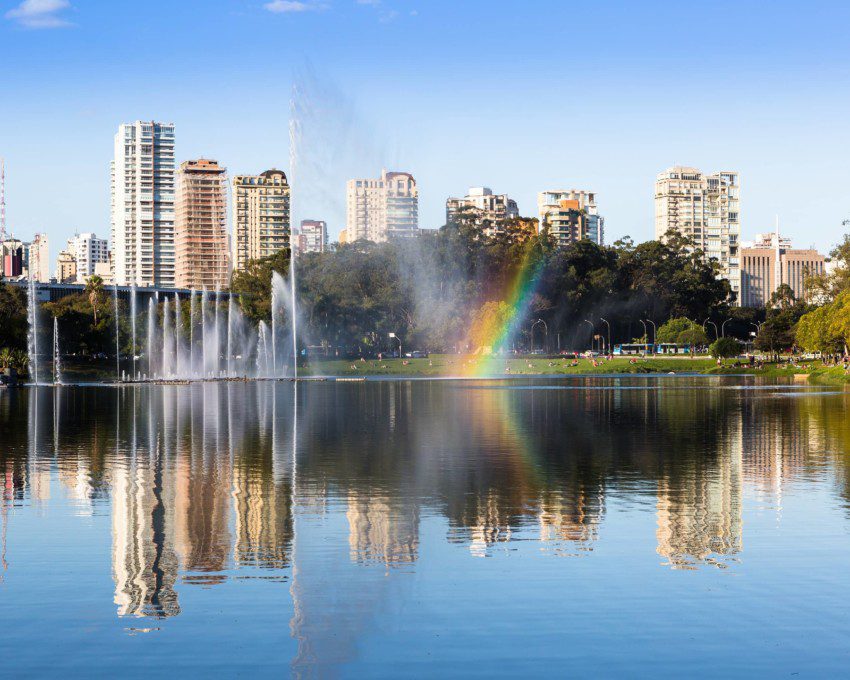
(446,365)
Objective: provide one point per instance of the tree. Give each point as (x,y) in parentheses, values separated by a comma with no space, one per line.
(487,322)
(725,348)
(94,291)
(782,297)
(6,357)
(13,317)
(683,331)
(814,331)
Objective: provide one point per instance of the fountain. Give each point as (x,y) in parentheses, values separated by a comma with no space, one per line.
(57,366)
(32,335)
(167,342)
(193,366)
(133,326)
(117,342)
(150,349)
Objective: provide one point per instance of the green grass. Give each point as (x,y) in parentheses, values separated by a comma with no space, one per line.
(454,365)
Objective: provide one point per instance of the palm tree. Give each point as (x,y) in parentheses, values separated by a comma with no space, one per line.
(20,360)
(94,289)
(6,356)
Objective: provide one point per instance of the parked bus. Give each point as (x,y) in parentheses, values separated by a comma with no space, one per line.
(660,348)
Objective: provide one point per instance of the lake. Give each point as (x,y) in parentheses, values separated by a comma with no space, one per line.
(662,526)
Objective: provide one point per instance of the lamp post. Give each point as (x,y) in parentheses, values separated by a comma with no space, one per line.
(644,335)
(592,330)
(609,333)
(723,328)
(393,335)
(708,320)
(654,334)
(546,337)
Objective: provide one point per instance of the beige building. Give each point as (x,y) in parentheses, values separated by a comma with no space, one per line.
(381,209)
(66,267)
(770,261)
(705,208)
(260,216)
(490,211)
(558,209)
(200,239)
(38,261)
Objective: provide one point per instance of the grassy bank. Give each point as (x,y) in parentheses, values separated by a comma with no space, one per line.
(453,365)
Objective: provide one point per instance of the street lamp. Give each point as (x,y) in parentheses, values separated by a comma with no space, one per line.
(645,339)
(609,333)
(708,320)
(723,328)
(393,335)
(654,334)
(592,330)
(546,330)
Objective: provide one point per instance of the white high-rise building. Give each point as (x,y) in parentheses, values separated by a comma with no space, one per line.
(490,211)
(706,209)
(381,209)
(552,211)
(88,251)
(143,204)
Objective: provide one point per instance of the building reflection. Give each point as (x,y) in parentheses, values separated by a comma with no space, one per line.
(699,508)
(206,482)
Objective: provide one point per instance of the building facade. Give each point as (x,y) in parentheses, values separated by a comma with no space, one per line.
(66,267)
(143,204)
(382,209)
(200,238)
(557,207)
(705,208)
(13,258)
(490,211)
(313,236)
(38,261)
(88,251)
(260,216)
(770,261)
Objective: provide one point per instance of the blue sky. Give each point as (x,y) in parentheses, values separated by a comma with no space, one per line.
(518,96)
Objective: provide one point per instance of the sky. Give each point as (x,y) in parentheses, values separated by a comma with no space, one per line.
(517,96)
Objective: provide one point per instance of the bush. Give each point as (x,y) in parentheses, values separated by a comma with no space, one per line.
(725,348)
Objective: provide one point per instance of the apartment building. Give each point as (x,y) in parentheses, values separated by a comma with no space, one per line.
(260,216)
(770,261)
(142,175)
(383,208)
(66,267)
(705,208)
(571,215)
(88,251)
(313,236)
(38,259)
(200,231)
(490,211)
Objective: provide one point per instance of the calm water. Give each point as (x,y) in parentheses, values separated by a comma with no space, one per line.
(673,526)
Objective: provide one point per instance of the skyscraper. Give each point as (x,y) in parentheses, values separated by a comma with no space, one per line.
(704,208)
(490,211)
(143,204)
(381,209)
(572,215)
(260,216)
(203,258)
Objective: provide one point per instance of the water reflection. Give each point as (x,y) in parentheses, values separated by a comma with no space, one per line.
(213,482)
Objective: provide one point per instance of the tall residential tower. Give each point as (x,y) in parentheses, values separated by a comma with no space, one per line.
(380,209)
(260,216)
(201,245)
(143,204)
(706,209)
(490,211)
(571,215)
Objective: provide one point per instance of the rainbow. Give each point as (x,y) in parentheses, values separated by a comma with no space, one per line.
(500,329)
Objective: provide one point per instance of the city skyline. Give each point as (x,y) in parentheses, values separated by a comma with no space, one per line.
(786,168)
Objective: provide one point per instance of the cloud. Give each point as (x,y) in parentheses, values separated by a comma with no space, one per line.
(40,13)
(292,6)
